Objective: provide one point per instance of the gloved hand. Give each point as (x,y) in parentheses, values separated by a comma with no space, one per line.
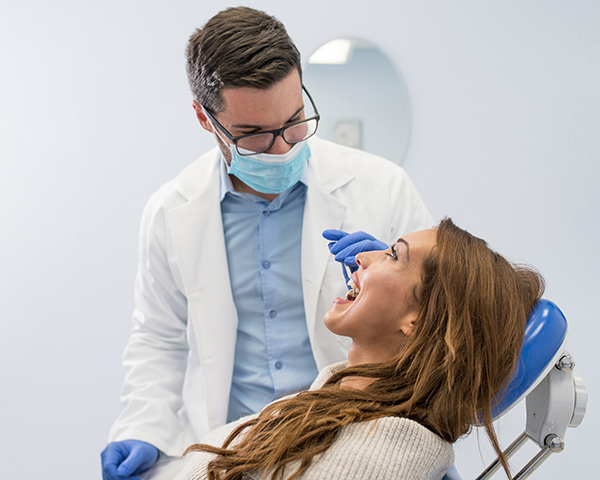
(123,460)
(345,247)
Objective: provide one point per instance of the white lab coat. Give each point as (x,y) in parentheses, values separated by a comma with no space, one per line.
(179,359)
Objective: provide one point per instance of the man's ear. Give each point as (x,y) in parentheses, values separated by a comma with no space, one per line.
(201,116)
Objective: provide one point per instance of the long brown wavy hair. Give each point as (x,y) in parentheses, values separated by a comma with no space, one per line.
(464,347)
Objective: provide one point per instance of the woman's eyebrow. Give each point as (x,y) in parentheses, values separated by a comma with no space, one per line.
(407,245)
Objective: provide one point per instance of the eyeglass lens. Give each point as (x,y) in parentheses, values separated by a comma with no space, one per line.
(261,142)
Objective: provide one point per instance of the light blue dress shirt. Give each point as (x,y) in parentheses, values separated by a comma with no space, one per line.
(273,356)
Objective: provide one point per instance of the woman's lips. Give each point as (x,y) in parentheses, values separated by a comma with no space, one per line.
(340,301)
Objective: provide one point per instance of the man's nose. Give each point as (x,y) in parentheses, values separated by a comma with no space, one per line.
(279,146)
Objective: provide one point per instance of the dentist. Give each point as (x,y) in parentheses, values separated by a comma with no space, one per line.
(234,277)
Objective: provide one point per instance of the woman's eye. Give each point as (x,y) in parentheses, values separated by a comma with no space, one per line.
(394,255)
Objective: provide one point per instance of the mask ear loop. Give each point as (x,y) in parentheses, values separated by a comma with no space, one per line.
(231,146)
(216,130)
(214,127)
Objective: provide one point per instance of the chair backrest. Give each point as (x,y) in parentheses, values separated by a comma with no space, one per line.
(543,344)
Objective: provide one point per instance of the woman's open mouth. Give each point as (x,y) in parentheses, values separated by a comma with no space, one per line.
(353,293)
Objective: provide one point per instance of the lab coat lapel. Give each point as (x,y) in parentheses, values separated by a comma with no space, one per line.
(201,256)
(321,211)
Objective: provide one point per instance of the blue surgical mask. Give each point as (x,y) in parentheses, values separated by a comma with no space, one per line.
(267,173)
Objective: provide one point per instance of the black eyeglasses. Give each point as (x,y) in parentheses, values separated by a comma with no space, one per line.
(260,142)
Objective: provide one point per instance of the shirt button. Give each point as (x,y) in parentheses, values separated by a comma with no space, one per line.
(266,264)
(266,213)
(278,365)
(272,314)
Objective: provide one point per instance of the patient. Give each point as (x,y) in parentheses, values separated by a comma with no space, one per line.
(436,330)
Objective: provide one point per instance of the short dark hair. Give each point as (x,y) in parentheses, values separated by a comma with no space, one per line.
(238,47)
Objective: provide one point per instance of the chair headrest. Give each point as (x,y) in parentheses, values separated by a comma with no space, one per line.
(544,341)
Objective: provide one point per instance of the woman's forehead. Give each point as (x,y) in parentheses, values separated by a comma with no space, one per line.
(421,239)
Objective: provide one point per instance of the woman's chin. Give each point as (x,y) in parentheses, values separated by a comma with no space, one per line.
(333,316)
(339,306)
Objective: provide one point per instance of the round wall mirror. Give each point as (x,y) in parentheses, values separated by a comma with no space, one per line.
(361,97)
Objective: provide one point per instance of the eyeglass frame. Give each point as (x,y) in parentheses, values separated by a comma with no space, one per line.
(278,132)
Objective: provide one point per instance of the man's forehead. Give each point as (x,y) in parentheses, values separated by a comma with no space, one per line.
(253,106)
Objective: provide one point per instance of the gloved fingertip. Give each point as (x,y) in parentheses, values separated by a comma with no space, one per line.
(123,470)
(380,245)
(109,472)
(351,262)
(332,234)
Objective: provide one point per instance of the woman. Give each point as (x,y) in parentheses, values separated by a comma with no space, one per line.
(436,326)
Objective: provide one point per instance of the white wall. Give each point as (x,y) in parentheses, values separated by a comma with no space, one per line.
(95,115)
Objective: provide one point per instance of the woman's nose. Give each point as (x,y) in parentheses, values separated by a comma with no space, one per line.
(362,259)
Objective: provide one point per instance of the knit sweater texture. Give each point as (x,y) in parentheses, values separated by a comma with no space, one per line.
(388,448)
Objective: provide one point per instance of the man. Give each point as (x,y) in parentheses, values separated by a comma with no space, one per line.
(234,277)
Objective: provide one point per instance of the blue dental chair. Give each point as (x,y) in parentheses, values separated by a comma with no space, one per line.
(556,395)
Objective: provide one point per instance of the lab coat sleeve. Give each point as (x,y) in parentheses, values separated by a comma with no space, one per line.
(156,354)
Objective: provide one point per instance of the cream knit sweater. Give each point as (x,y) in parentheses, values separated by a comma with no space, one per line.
(389,448)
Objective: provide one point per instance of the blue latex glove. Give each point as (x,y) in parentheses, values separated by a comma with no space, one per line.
(345,247)
(124,460)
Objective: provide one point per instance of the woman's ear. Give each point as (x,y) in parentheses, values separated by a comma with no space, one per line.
(408,323)
(201,116)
